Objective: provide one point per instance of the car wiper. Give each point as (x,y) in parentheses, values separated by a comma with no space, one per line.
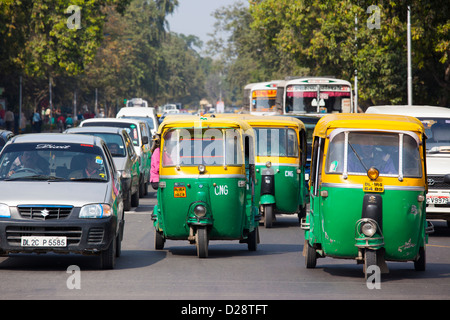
(87,179)
(37,177)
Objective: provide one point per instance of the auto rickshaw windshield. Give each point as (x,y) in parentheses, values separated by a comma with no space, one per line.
(391,153)
(276,142)
(207,146)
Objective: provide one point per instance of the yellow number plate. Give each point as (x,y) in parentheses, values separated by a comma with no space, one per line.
(179,192)
(372,186)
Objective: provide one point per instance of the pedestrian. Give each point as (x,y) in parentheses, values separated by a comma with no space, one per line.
(9,120)
(61,120)
(154,169)
(36,121)
(69,121)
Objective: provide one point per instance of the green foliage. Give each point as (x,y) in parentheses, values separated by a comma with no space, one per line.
(320,36)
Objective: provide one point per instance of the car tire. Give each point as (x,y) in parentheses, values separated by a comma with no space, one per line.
(135,199)
(127,201)
(108,256)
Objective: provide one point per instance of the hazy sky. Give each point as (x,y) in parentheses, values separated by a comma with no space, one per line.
(194,17)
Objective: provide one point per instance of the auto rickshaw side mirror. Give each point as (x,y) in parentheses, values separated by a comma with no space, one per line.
(144,139)
(447,178)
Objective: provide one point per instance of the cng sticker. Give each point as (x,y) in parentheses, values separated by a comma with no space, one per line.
(289,173)
(221,190)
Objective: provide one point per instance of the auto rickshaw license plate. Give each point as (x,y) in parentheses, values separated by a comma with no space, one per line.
(373,186)
(179,192)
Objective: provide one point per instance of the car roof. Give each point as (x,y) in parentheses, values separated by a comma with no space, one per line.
(415,111)
(135,111)
(124,120)
(99,129)
(56,138)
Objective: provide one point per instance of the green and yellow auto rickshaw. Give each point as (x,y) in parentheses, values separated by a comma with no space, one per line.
(280,166)
(206,182)
(367,191)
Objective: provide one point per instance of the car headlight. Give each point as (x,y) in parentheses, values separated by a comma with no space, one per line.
(95,211)
(200,210)
(368,228)
(4,211)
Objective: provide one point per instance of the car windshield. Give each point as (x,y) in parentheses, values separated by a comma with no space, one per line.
(276,142)
(380,150)
(52,161)
(438,134)
(113,141)
(148,120)
(212,147)
(131,128)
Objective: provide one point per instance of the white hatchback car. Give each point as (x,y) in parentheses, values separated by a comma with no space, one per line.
(141,113)
(436,121)
(140,135)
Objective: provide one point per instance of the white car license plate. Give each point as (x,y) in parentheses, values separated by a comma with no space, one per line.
(41,241)
(437,199)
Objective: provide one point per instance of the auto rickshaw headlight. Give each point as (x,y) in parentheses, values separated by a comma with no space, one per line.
(200,210)
(373,173)
(368,228)
(268,164)
(201,168)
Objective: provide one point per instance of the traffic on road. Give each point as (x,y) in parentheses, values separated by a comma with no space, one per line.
(224,179)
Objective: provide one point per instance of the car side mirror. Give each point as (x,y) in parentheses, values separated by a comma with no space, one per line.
(447,178)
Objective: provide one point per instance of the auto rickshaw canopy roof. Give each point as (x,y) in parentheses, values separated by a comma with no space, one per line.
(367,121)
(191,121)
(274,121)
(261,121)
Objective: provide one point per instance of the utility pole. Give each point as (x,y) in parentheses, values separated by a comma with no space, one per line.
(356,69)
(409,57)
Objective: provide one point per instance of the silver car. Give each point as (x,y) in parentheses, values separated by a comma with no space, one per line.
(125,159)
(60,193)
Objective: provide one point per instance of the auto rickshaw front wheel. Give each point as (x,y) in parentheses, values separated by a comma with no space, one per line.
(370,259)
(268,215)
(201,241)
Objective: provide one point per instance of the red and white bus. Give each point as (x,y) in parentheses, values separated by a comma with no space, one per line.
(314,95)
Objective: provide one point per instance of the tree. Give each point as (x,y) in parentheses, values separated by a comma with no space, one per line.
(320,36)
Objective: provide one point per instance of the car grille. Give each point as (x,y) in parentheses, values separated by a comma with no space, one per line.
(437,182)
(14,233)
(45,212)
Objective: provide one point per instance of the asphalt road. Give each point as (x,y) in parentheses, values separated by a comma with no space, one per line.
(276,271)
